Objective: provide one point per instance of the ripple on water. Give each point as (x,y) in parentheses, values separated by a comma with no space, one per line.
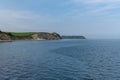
(60,60)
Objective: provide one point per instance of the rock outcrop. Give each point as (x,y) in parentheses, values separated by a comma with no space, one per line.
(46,36)
(4,36)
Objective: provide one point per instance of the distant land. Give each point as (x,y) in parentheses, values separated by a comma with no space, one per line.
(9,36)
(73,37)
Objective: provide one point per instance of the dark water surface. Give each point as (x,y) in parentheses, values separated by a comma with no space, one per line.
(60,60)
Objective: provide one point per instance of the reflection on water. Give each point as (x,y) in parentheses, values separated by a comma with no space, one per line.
(60,60)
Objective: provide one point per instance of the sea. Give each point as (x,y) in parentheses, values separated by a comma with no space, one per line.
(69,59)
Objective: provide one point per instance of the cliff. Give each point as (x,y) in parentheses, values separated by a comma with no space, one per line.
(5,36)
(46,36)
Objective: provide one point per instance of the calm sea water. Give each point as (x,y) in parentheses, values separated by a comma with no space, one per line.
(60,60)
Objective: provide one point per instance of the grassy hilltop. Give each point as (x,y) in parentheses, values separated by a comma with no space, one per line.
(21,34)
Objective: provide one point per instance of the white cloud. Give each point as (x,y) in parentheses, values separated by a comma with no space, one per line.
(11,20)
(96,1)
(95,7)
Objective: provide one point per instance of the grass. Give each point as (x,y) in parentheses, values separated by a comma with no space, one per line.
(22,34)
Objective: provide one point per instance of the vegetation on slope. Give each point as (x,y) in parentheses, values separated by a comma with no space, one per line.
(21,34)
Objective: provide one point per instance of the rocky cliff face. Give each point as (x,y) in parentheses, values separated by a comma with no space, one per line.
(37,36)
(4,36)
(46,36)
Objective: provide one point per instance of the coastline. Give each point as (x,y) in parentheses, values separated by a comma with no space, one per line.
(22,40)
(6,40)
(33,36)
(11,36)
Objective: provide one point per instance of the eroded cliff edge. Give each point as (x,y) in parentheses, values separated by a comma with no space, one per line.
(7,36)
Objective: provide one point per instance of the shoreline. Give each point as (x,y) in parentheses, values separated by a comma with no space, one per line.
(6,40)
(23,40)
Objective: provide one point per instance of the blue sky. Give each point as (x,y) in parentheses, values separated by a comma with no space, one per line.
(91,18)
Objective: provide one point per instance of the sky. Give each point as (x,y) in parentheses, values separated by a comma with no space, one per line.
(91,18)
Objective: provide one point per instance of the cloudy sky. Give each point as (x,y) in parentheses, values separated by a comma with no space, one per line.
(92,18)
